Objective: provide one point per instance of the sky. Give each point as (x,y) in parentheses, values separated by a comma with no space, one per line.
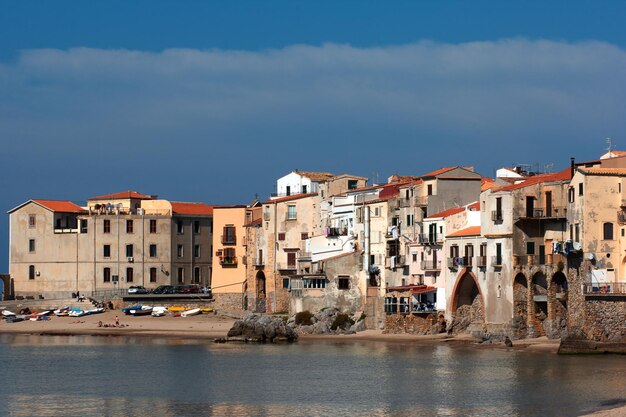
(212,101)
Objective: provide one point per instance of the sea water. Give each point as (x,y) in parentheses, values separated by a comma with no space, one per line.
(122,376)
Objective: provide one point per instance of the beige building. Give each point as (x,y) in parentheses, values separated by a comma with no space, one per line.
(115,241)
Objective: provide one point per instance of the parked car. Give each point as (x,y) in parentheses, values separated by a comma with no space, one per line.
(191,289)
(137,289)
(163,289)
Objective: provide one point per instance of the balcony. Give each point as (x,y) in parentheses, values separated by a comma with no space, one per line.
(481,261)
(398,261)
(430,239)
(228,261)
(304,256)
(421,200)
(496,261)
(229,240)
(605,288)
(544,213)
(621,217)
(259,262)
(405,202)
(497,216)
(335,231)
(286,267)
(431,265)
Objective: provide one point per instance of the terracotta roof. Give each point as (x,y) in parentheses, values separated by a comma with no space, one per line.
(470,231)
(390,190)
(256,222)
(618,172)
(315,176)
(446,213)
(191,208)
(60,206)
(402,178)
(564,175)
(289,198)
(415,289)
(124,195)
(474,206)
(439,171)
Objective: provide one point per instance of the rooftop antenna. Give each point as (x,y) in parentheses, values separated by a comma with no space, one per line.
(610,143)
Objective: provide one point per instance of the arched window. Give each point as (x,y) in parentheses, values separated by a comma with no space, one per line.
(608,231)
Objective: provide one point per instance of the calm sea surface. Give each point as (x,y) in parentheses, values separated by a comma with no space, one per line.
(82,376)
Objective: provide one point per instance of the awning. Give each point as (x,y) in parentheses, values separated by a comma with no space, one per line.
(415,289)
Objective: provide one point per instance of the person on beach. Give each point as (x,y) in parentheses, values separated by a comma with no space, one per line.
(117,321)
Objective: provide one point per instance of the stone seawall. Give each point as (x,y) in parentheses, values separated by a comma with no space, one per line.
(228,302)
(605,320)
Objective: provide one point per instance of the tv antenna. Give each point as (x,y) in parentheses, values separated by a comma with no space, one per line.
(610,143)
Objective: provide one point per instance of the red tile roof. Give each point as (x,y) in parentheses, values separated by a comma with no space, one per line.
(191,208)
(123,196)
(564,175)
(289,198)
(446,213)
(60,206)
(439,171)
(315,176)
(618,172)
(474,206)
(470,231)
(415,289)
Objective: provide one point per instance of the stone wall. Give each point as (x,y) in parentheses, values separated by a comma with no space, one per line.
(431,324)
(606,320)
(228,302)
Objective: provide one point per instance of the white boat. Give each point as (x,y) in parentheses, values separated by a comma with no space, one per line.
(77,312)
(44,313)
(95,311)
(192,312)
(62,312)
(159,311)
(7,313)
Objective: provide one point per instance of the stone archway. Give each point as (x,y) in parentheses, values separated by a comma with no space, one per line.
(467,302)
(7,291)
(520,304)
(261,292)
(557,304)
(538,306)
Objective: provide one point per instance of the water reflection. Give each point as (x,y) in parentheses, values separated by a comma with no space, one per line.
(131,376)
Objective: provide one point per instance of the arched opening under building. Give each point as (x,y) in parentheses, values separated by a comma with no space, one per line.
(520,303)
(261,291)
(467,301)
(539,288)
(6,290)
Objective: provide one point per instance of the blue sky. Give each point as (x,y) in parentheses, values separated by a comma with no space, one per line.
(212,101)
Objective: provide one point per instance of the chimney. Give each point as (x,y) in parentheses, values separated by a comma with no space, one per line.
(572,167)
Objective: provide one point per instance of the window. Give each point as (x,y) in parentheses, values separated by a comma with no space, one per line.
(31,245)
(106,226)
(129,275)
(153,226)
(196,226)
(414,257)
(229,257)
(196,275)
(580,189)
(153,251)
(179,227)
(129,226)
(376,211)
(129,251)
(181,275)
(83,225)
(179,251)
(281,236)
(304,236)
(291,212)
(571,232)
(570,195)
(196,251)
(106,275)
(409,220)
(608,231)
(352,184)
(343,283)
(153,275)
(229,237)
(577,232)
(288,190)
(530,248)
(498,253)
(286,282)
(304,189)
(291,259)
(430,189)
(31,271)
(32,220)
(106,251)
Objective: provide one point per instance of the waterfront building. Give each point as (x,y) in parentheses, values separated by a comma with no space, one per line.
(58,248)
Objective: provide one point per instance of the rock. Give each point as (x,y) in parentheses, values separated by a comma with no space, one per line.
(321,328)
(236,329)
(306,329)
(264,328)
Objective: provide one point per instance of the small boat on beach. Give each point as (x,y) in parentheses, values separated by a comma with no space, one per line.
(76,312)
(62,312)
(206,310)
(44,313)
(127,310)
(97,310)
(143,311)
(7,313)
(176,309)
(159,311)
(192,312)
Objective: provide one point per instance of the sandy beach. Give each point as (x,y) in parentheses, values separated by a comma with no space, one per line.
(211,326)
